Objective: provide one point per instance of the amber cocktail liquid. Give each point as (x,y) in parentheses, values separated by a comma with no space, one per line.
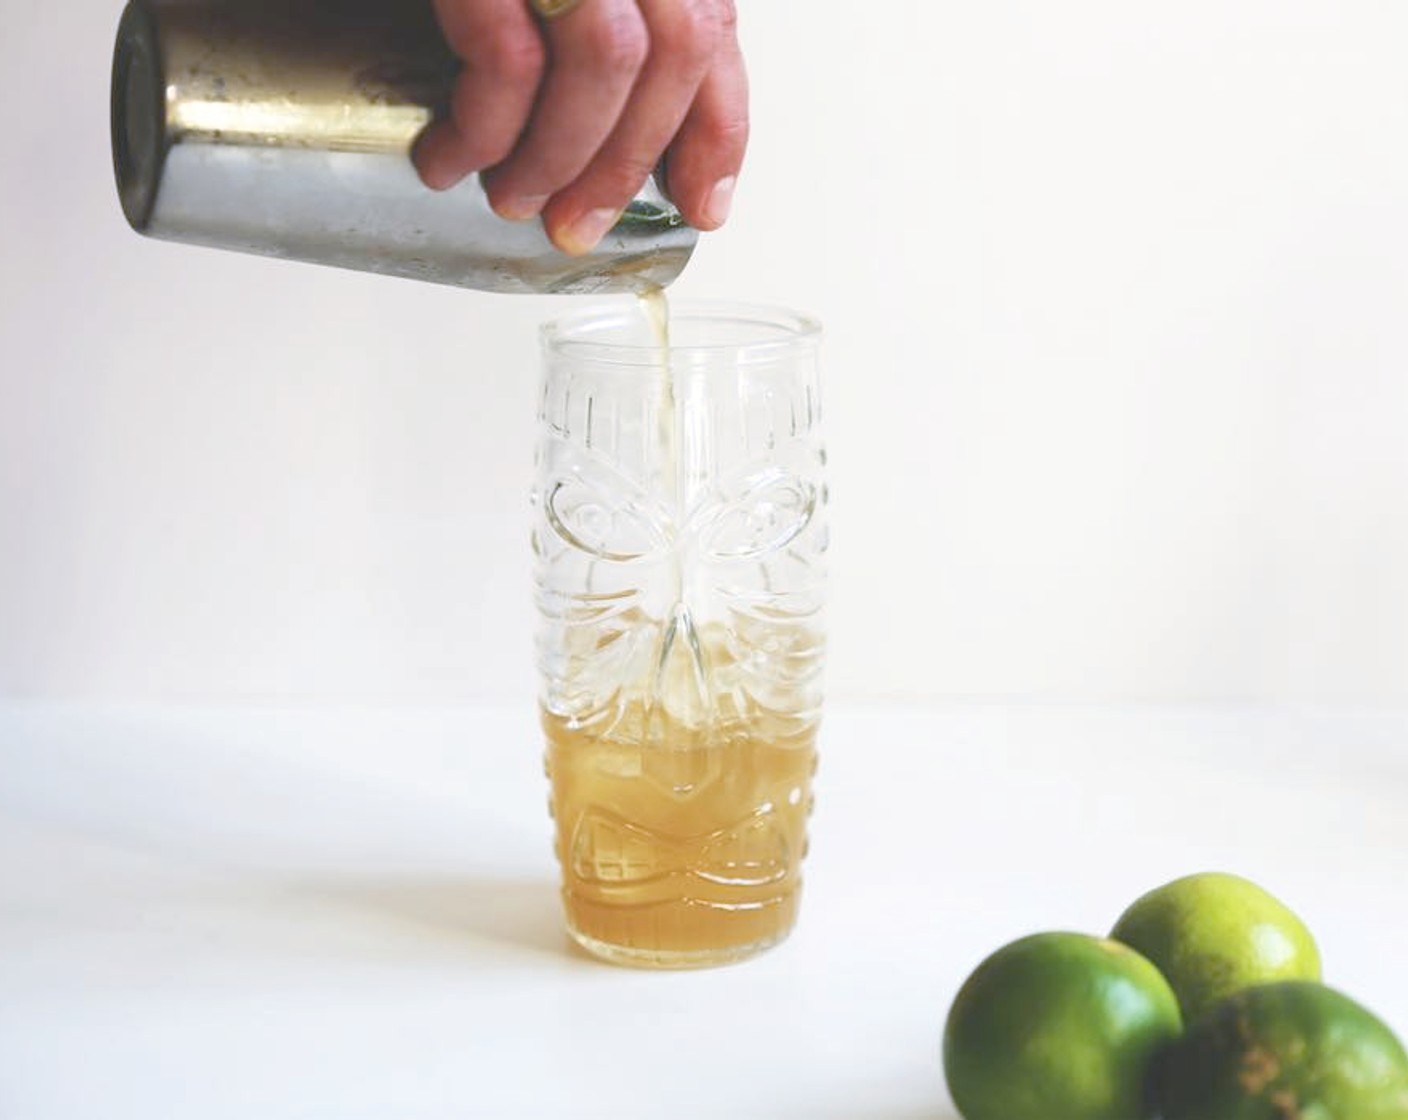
(681,844)
(680,546)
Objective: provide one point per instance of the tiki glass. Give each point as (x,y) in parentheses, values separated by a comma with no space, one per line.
(680,542)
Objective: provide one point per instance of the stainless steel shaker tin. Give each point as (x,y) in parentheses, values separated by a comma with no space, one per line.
(285,128)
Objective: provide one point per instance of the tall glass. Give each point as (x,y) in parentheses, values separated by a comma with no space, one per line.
(680,542)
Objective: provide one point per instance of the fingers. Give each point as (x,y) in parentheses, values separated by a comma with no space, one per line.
(597,50)
(705,158)
(504,59)
(683,37)
(567,117)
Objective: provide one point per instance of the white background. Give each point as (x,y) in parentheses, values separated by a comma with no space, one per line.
(1117,369)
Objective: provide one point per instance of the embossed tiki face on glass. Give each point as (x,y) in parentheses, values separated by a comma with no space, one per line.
(680,541)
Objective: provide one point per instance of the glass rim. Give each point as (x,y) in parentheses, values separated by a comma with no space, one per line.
(576,333)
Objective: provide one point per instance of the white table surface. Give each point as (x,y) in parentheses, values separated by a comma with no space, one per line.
(352,914)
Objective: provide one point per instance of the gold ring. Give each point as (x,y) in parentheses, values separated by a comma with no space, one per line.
(551,9)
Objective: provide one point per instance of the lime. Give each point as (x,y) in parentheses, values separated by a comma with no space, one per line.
(1058,1026)
(1296,1050)
(1214,934)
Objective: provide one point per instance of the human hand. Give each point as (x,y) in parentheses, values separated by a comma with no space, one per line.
(567,116)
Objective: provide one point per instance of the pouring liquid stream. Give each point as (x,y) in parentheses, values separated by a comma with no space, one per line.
(656,309)
(680,685)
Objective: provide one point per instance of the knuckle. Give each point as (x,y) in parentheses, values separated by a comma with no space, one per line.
(727,13)
(691,33)
(618,45)
(511,54)
(729,132)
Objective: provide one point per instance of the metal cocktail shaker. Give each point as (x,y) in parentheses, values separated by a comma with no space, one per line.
(284,128)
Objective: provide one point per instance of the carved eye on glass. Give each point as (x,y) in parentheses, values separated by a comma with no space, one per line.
(618,524)
(762,514)
(744,518)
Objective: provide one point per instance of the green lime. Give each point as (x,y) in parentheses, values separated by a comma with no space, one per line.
(1058,1026)
(1296,1050)
(1214,934)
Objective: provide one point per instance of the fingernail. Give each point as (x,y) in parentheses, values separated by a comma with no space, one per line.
(583,234)
(720,200)
(522,209)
